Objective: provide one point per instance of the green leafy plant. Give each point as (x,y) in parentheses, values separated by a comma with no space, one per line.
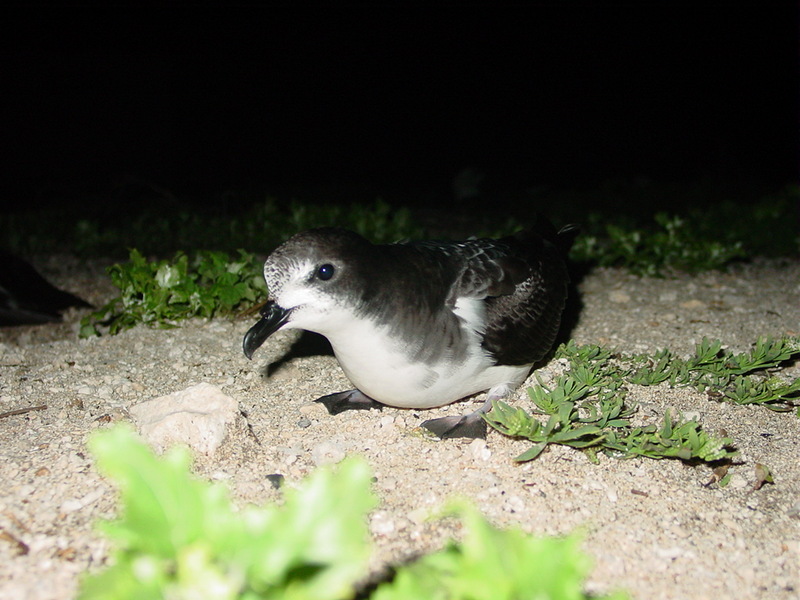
(741,378)
(586,406)
(211,283)
(709,229)
(167,227)
(494,564)
(672,244)
(162,292)
(179,537)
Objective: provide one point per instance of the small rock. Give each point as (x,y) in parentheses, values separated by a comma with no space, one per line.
(10,356)
(478,450)
(381,523)
(619,297)
(75,504)
(276,480)
(196,416)
(327,453)
(419,515)
(304,423)
(669,296)
(387,483)
(287,372)
(71,505)
(737,482)
(515,504)
(670,553)
(693,304)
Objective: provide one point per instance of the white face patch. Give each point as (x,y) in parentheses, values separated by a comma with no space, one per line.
(312,307)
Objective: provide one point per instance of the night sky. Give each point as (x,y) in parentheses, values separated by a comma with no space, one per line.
(206,100)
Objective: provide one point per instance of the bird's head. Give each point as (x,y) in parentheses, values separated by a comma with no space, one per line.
(312,279)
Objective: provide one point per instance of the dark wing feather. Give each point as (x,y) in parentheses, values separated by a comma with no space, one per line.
(522,326)
(481,268)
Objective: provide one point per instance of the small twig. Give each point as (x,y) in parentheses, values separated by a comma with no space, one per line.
(20,547)
(15,520)
(250,427)
(22,411)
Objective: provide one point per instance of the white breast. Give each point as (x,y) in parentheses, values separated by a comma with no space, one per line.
(380,368)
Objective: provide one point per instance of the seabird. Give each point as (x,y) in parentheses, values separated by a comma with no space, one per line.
(421,324)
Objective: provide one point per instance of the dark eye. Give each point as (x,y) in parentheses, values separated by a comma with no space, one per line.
(325,272)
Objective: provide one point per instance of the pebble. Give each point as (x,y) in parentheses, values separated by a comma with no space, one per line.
(478,450)
(197,416)
(668,297)
(515,504)
(670,553)
(387,484)
(419,515)
(381,523)
(737,482)
(693,304)
(619,297)
(327,452)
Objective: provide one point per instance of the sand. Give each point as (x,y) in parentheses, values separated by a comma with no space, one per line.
(655,528)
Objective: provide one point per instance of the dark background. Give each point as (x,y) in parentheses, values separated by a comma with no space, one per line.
(203,100)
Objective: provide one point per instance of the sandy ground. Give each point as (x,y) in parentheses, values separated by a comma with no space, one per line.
(653,528)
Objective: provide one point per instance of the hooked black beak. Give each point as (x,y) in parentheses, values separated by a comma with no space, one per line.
(272,318)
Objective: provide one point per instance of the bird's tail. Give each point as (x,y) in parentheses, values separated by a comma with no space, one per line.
(562,238)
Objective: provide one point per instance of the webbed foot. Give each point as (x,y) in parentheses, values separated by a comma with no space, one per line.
(467,426)
(349,400)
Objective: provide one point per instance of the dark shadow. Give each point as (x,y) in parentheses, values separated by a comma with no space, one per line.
(308,344)
(28,298)
(574,305)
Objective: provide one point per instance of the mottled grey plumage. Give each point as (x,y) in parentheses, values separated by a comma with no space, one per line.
(448,319)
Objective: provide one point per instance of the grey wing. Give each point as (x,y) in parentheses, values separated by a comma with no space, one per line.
(523,282)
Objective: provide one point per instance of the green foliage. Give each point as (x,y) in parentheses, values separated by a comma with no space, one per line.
(586,406)
(210,283)
(494,564)
(652,229)
(165,229)
(698,239)
(179,537)
(161,292)
(739,378)
(674,244)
